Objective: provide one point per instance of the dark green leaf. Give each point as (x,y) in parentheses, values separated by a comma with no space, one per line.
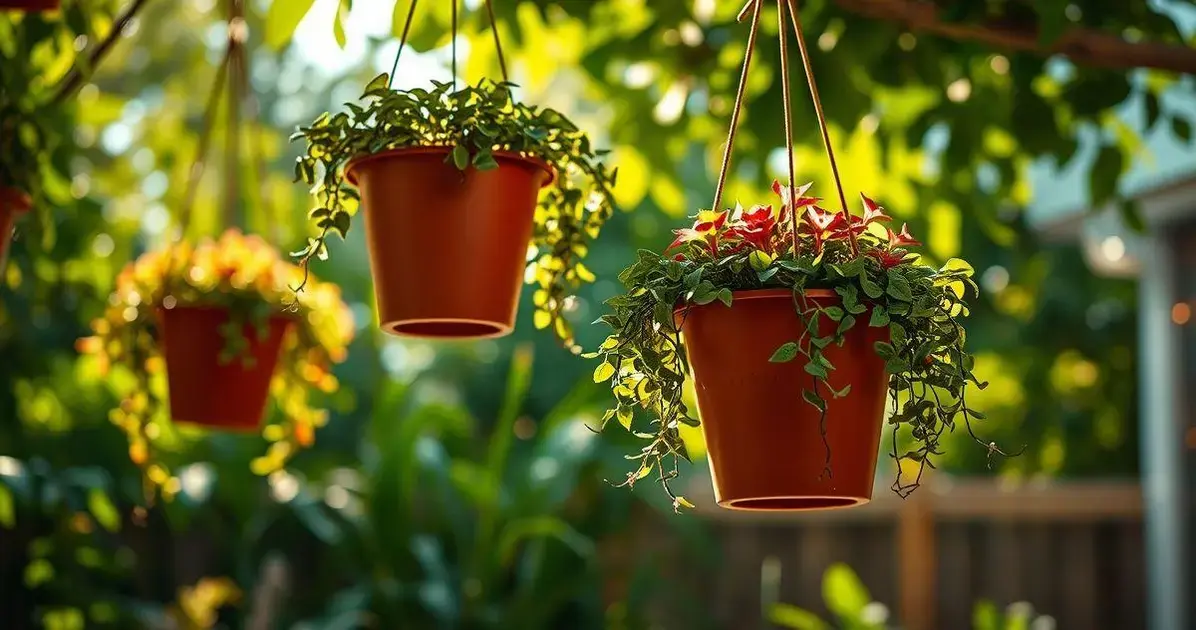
(785,353)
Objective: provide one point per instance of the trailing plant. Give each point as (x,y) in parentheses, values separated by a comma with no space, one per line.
(472,123)
(248,277)
(880,281)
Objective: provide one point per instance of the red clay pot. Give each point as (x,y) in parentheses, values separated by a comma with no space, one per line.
(205,392)
(29,5)
(13,203)
(447,248)
(764,442)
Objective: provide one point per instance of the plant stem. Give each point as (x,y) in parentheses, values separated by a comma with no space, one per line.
(73,81)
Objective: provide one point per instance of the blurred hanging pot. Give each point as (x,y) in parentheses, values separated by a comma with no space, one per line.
(29,5)
(13,203)
(449,179)
(447,247)
(209,388)
(765,443)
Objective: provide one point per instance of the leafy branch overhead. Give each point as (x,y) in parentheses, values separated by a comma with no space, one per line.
(882,286)
(472,123)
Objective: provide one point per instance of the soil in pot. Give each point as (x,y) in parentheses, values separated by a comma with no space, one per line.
(447,248)
(203,390)
(13,203)
(29,5)
(764,441)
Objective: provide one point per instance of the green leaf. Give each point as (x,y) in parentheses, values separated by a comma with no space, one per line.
(102,509)
(603,372)
(796,618)
(341,222)
(484,160)
(1102,179)
(1181,128)
(281,20)
(844,593)
(879,318)
(1131,215)
(759,260)
(870,287)
(625,415)
(813,399)
(693,278)
(884,350)
(376,85)
(724,296)
(1152,110)
(833,312)
(338,24)
(460,157)
(8,513)
(845,324)
(785,353)
(899,286)
(815,369)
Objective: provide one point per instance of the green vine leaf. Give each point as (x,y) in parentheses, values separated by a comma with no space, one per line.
(785,353)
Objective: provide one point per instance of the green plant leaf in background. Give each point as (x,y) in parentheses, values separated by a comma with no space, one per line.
(843,591)
(789,616)
(281,20)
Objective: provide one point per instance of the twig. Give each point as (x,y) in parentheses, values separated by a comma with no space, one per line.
(73,81)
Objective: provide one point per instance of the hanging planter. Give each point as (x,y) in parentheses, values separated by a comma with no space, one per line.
(29,5)
(450,183)
(13,203)
(800,326)
(207,335)
(211,383)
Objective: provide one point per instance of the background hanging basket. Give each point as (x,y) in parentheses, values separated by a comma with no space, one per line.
(447,247)
(207,391)
(765,443)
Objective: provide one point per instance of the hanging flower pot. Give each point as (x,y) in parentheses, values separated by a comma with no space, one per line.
(211,385)
(29,5)
(449,181)
(466,286)
(13,203)
(206,336)
(765,445)
(795,345)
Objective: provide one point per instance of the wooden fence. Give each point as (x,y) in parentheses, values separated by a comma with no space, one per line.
(1072,549)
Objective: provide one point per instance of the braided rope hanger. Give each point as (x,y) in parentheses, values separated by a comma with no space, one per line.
(783,7)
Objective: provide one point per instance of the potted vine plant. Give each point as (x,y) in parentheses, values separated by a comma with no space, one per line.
(450,182)
(214,319)
(794,347)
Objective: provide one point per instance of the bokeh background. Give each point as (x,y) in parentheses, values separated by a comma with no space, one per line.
(457,485)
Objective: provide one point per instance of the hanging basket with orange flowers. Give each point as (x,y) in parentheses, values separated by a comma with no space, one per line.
(210,336)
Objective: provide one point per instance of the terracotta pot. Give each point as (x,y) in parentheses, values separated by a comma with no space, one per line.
(29,5)
(13,203)
(764,441)
(447,248)
(205,392)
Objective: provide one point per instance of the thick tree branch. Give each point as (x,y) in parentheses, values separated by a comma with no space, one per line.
(1083,46)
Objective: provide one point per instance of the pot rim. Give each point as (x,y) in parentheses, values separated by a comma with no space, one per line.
(444,150)
(755,294)
(15,199)
(745,505)
(286,317)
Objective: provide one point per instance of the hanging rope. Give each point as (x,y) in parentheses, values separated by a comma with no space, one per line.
(743,77)
(783,6)
(502,62)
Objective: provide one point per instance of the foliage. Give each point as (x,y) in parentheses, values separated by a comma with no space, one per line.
(246,276)
(471,124)
(848,599)
(469,529)
(865,262)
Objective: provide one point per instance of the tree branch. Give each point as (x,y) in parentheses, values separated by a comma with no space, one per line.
(1083,46)
(74,80)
